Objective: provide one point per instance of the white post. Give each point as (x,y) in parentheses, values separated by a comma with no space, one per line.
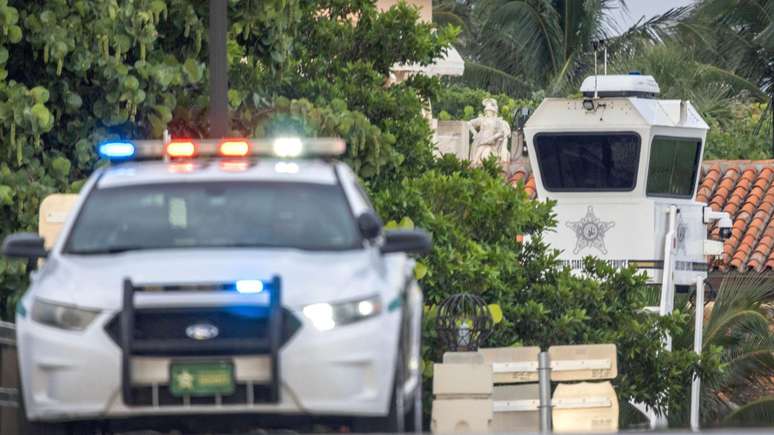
(667,282)
(697,347)
(667,302)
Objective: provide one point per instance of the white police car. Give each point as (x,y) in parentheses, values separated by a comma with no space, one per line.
(208,278)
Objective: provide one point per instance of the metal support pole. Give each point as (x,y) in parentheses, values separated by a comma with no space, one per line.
(544,376)
(667,302)
(596,94)
(217,33)
(418,429)
(698,336)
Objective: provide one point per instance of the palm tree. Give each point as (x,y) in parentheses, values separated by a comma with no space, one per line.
(682,74)
(542,44)
(736,36)
(739,325)
(461,13)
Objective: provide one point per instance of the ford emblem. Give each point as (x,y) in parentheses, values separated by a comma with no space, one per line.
(202,331)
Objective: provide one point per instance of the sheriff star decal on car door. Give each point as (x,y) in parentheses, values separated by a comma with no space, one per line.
(590,232)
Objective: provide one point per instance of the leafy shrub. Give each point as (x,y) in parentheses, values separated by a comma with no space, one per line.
(460,102)
(744,134)
(474,217)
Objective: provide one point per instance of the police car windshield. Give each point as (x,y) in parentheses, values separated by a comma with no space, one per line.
(214,214)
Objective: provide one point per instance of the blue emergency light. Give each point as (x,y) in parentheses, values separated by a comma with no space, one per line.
(117,150)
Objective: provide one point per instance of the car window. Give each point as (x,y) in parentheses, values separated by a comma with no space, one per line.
(215,214)
(588,162)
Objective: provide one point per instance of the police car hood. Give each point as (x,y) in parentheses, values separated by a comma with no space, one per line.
(307,277)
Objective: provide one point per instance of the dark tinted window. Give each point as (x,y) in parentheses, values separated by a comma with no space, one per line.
(673,166)
(214,214)
(583,162)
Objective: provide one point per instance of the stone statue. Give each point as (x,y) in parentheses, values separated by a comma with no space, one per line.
(490,135)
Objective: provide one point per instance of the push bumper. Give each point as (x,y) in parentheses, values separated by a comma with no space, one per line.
(346,371)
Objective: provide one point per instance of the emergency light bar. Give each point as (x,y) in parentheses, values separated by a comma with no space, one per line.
(174,149)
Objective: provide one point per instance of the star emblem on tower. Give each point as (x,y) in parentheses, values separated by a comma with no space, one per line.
(590,232)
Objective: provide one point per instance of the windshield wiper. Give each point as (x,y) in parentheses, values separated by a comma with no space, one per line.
(110,250)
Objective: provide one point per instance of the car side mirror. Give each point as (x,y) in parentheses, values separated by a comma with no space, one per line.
(408,241)
(24,245)
(370,225)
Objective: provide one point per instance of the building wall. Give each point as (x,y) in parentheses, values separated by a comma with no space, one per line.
(425,7)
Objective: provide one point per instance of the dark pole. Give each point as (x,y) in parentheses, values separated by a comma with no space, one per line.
(219,125)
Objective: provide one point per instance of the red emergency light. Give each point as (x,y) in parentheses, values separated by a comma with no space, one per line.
(181,148)
(234,148)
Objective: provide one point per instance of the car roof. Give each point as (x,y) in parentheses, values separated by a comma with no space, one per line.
(154,172)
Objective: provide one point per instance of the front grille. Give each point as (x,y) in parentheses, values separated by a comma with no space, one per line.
(241,329)
(144,396)
(214,331)
(232,322)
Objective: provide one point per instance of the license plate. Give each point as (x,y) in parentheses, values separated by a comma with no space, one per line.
(201,379)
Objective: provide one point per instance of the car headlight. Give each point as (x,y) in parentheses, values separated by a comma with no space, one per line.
(327,316)
(62,316)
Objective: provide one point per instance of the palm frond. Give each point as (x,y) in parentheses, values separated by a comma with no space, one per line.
(743,291)
(749,359)
(713,73)
(738,323)
(521,36)
(655,29)
(495,80)
(725,324)
(757,413)
(563,78)
(447,17)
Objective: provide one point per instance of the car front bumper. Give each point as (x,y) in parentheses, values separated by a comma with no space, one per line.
(347,371)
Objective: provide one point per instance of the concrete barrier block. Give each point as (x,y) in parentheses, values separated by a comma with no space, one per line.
(512,364)
(463,358)
(583,362)
(461,416)
(585,407)
(516,408)
(462,380)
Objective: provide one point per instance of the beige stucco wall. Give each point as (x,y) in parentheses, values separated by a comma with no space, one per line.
(425,7)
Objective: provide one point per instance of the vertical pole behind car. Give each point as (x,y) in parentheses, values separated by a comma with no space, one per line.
(127,335)
(275,337)
(218,62)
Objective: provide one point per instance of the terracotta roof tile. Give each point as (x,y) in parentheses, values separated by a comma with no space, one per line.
(745,189)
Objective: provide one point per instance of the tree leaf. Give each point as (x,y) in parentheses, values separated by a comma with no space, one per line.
(6,194)
(496,313)
(61,167)
(42,117)
(193,71)
(420,270)
(39,94)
